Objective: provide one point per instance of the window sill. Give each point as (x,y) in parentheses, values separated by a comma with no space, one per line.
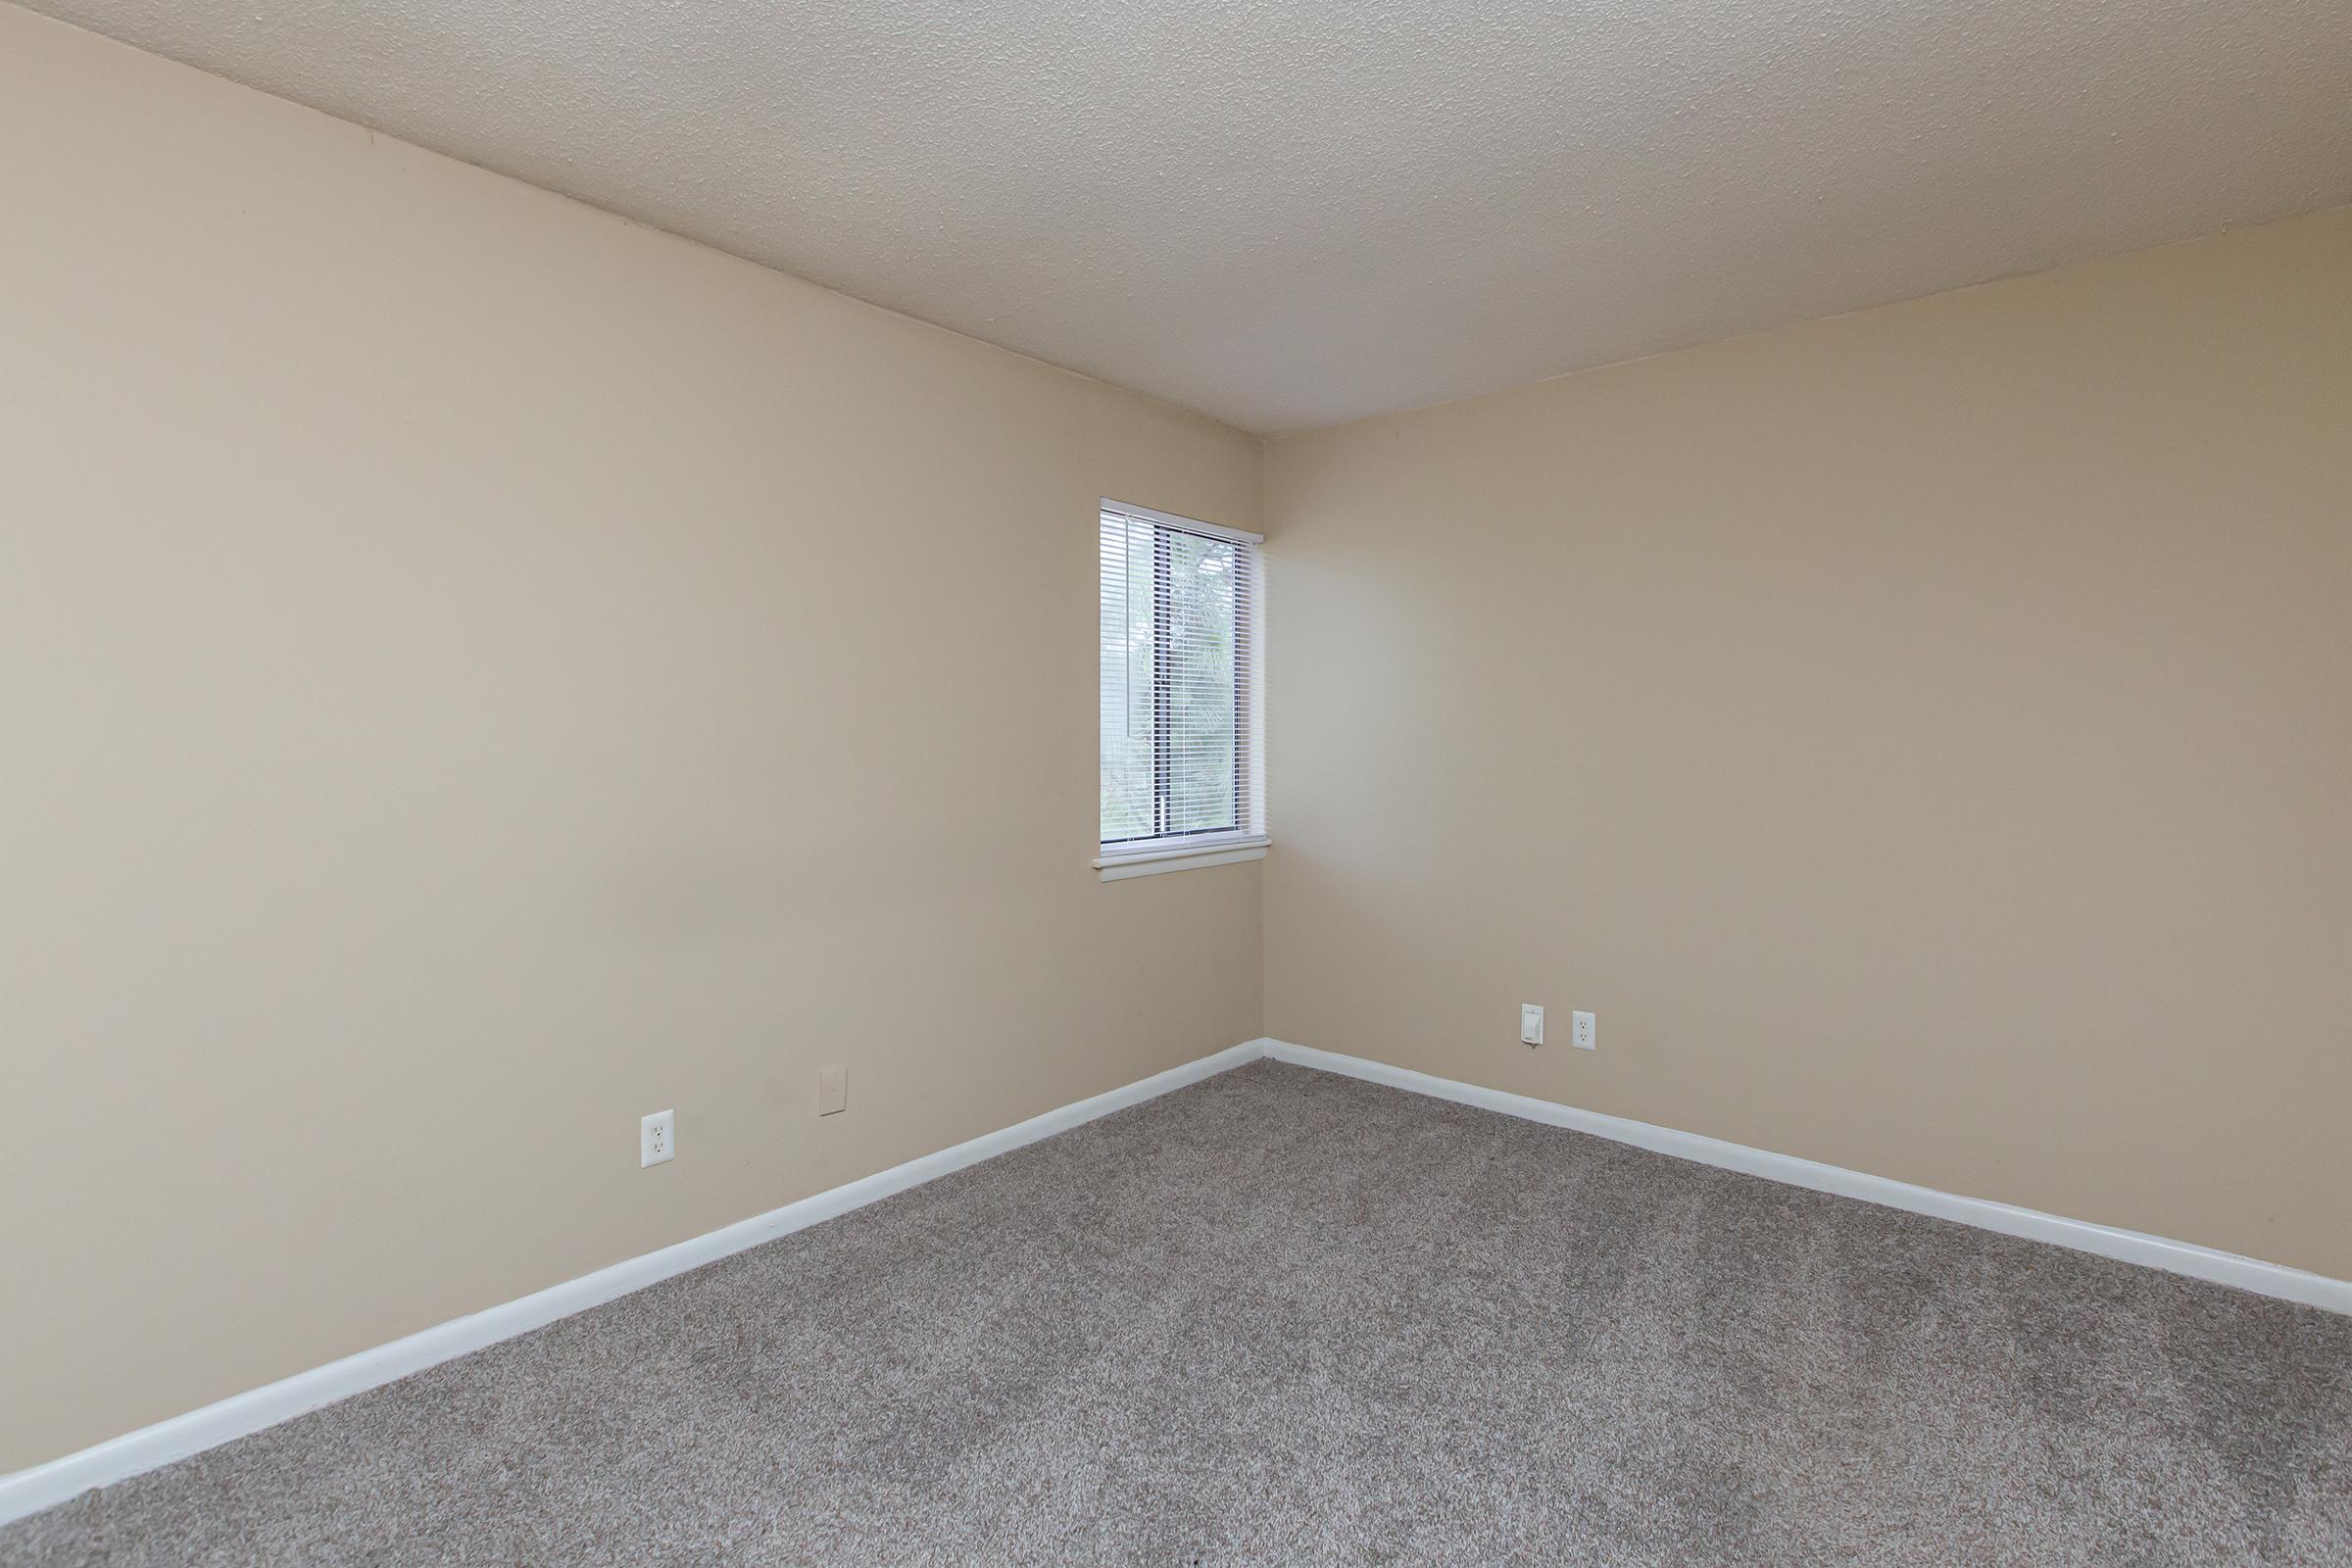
(1181,858)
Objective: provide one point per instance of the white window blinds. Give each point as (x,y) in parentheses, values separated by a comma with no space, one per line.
(1179,677)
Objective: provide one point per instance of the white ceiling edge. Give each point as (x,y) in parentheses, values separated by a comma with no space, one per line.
(1297,215)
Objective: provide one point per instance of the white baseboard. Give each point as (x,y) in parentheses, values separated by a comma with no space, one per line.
(27,1491)
(44,1485)
(2131,1246)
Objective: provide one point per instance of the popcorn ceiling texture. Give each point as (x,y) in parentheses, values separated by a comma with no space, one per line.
(1294,214)
(1313,209)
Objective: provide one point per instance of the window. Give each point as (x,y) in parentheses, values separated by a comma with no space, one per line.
(1179,767)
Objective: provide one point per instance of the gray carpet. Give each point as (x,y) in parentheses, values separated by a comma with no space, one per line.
(1284,1317)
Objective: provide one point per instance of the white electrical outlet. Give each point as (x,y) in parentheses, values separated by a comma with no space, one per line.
(1583,1033)
(1530,1024)
(658,1139)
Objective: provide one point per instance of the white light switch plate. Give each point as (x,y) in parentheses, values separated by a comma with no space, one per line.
(658,1139)
(1530,1024)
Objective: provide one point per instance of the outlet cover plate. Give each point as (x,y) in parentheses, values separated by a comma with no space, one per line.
(658,1139)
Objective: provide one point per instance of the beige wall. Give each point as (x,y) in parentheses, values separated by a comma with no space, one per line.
(1924,738)
(473,671)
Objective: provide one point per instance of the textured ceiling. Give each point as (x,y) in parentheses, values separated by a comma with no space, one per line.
(1296,213)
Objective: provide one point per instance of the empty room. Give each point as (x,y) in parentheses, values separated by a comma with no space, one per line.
(1168,784)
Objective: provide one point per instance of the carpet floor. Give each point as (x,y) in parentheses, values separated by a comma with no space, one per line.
(1286,1317)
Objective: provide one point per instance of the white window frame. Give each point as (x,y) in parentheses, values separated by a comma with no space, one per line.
(1150,857)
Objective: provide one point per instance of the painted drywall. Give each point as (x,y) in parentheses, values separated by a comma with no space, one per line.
(1923,737)
(474,671)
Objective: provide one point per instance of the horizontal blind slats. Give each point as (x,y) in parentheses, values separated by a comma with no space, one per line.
(1178,667)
